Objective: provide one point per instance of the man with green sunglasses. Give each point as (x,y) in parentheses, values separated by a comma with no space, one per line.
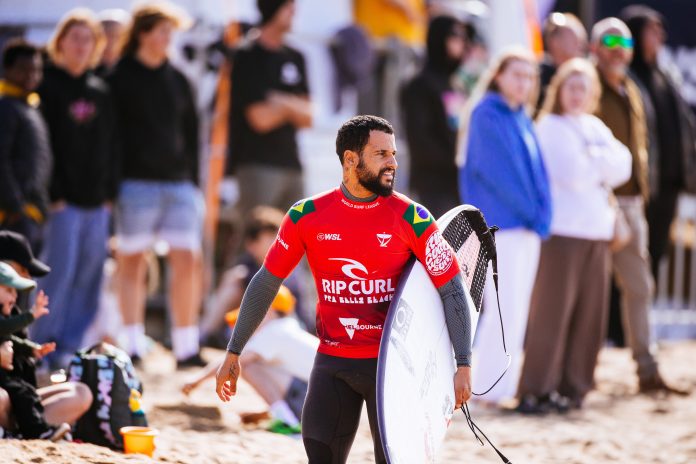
(621,109)
(614,40)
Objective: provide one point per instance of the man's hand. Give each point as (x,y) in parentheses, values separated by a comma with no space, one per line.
(462,386)
(45,349)
(40,307)
(226,377)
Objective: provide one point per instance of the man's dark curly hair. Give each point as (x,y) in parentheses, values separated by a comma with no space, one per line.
(354,133)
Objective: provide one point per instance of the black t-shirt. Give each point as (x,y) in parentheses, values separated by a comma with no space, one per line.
(255,72)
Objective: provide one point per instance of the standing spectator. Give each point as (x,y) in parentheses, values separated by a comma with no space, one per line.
(397,32)
(114,22)
(431,108)
(25,154)
(270,101)
(568,315)
(158,195)
(621,109)
(673,152)
(564,38)
(78,110)
(504,176)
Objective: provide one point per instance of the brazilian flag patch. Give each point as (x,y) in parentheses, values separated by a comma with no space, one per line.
(301,209)
(418,217)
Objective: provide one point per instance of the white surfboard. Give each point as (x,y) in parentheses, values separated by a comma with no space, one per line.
(415,391)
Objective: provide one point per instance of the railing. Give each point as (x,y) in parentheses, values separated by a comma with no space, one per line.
(674,314)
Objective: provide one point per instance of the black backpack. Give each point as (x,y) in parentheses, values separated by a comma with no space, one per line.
(109,373)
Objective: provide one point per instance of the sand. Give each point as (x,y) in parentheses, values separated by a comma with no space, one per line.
(616,425)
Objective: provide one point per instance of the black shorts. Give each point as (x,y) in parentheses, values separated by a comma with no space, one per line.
(331,415)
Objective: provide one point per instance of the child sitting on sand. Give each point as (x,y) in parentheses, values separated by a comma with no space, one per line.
(277,362)
(26,404)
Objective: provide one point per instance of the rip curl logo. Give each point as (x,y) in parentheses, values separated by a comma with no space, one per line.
(384,239)
(352,265)
(351,324)
(438,255)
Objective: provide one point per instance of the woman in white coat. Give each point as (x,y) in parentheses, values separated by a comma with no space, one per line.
(568,313)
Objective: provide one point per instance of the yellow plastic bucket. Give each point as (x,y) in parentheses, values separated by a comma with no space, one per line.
(139,440)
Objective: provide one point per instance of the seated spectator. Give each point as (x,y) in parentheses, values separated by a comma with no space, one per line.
(25,400)
(260,230)
(277,362)
(64,402)
(25,154)
(568,312)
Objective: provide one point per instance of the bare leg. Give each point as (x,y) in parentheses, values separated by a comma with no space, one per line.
(269,383)
(227,297)
(5,409)
(66,402)
(185,288)
(131,287)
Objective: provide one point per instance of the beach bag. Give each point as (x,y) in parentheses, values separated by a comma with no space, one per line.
(109,374)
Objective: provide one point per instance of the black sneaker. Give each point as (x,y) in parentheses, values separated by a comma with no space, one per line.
(533,405)
(192,361)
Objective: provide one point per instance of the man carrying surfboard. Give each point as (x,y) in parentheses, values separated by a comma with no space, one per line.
(358,239)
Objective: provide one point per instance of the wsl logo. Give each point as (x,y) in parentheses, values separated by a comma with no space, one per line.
(351,324)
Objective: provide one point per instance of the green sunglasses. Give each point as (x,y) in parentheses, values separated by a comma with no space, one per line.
(613,41)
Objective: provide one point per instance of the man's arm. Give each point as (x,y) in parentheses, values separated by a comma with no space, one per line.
(278,109)
(458,322)
(257,299)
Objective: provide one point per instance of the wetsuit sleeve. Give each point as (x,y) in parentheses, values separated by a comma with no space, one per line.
(257,299)
(287,249)
(430,248)
(458,318)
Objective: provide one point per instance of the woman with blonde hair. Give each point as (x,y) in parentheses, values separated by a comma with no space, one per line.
(158,197)
(504,176)
(567,322)
(77,107)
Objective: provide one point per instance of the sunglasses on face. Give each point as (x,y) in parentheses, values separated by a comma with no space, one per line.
(614,41)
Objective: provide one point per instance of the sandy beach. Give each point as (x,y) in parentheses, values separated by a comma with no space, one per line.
(616,425)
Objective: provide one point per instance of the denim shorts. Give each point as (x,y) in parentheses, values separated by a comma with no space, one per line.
(150,210)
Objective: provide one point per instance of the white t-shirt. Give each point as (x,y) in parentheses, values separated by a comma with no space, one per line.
(283,343)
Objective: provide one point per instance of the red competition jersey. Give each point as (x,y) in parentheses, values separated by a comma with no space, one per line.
(357,252)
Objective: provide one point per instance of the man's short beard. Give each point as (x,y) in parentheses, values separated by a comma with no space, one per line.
(371,182)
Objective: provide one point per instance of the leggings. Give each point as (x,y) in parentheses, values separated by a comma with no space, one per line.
(331,415)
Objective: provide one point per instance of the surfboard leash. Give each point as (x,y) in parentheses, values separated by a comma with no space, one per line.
(487,238)
(475,428)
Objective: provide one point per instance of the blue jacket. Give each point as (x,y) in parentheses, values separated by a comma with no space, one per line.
(504,174)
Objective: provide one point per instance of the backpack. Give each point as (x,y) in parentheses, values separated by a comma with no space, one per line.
(109,373)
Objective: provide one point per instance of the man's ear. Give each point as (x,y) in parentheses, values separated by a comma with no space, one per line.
(350,158)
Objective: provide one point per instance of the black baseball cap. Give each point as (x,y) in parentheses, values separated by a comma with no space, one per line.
(14,247)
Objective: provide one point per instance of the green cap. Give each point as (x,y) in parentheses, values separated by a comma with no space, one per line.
(10,278)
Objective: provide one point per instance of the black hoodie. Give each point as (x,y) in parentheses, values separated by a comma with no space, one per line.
(80,118)
(157,122)
(672,131)
(431,130)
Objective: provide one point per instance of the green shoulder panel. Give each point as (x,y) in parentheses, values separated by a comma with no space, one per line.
(300,210)
(418,217)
